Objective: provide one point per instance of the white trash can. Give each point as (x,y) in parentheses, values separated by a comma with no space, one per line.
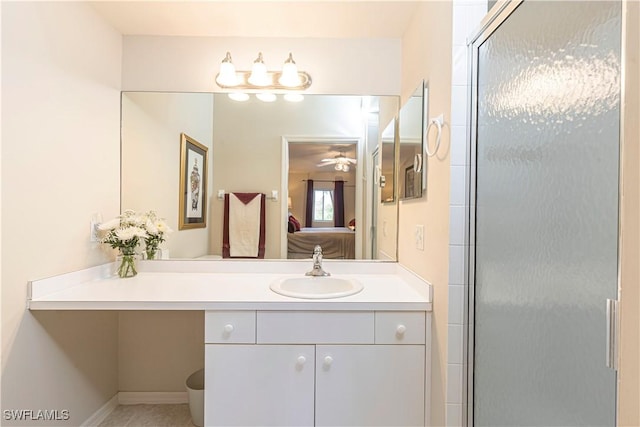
(195,390)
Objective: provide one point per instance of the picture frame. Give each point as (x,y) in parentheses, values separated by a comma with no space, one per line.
(193,184)
(409,182)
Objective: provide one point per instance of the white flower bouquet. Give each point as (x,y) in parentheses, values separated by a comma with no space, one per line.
(156,229)
(125,232)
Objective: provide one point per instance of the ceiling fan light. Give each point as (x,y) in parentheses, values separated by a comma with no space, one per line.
(259,75)
(345,168)
(289,76)
(227,75)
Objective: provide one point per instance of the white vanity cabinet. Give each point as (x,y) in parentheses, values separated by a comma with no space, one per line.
(370,385)
(259,385)
(322,368)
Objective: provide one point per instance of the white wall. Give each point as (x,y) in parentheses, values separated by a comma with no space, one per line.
(151,128)
(189,64)
(60,164)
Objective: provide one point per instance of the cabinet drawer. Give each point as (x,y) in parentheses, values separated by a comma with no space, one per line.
(230,327)
(400,327)
(326,327)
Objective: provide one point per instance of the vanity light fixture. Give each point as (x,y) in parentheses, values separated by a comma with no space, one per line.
(266,96)
(239,96)
(260,79)
(293,97)
(259,76)
(227,75)
(289,76)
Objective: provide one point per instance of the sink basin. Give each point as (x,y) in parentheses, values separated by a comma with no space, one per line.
(316,287)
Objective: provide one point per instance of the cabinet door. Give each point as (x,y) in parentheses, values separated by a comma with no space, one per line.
(259,385)
(370,385)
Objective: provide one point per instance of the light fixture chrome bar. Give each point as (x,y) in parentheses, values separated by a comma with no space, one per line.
(259,79)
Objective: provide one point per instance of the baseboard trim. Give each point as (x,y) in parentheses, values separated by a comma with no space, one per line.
(135,398)
(102,413)
(152,397)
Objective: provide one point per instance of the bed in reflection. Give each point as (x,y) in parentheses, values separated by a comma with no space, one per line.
(336,243)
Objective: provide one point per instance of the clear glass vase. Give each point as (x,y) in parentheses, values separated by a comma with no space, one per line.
(151,252)
(126,263)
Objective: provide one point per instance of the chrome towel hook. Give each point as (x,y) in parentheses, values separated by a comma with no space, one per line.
(438,122)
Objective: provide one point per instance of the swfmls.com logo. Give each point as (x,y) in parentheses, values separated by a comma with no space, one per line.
(36,415)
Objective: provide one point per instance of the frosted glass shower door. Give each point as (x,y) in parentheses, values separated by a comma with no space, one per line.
(546,214)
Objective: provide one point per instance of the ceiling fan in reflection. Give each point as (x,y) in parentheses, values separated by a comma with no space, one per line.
(341,163)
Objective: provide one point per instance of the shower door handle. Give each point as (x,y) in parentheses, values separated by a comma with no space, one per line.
(612,334)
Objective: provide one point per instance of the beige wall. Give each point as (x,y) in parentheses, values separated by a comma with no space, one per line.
(60,164)
(426,54)
(158,350)
(151,127)
(629,370)
(298,194)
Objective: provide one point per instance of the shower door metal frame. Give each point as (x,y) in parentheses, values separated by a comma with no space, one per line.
(498,14)
(494,18)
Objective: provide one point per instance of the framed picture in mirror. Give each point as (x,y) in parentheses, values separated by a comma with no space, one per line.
(410,141)
(409,180)
(193,184)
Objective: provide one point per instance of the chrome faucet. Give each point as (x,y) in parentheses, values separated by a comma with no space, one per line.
(317,264)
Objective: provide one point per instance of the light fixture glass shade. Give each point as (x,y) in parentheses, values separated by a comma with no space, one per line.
(266,96)
(239,96)
(259,75)
(293,97)
(227,75)
(345,168)
(289,76)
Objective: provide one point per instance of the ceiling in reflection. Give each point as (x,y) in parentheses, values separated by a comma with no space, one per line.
(304,158)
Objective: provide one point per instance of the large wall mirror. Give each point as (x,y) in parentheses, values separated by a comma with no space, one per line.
(410,136)
(261,147)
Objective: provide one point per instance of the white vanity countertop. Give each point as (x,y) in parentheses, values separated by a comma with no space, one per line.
(226,285)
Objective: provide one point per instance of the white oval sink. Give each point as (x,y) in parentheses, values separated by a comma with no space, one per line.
(316,287)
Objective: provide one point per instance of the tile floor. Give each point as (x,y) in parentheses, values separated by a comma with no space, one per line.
(149,415)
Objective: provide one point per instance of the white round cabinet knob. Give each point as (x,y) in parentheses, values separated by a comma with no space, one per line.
(401,329)
(228,328)
(301,360)
(328,360)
